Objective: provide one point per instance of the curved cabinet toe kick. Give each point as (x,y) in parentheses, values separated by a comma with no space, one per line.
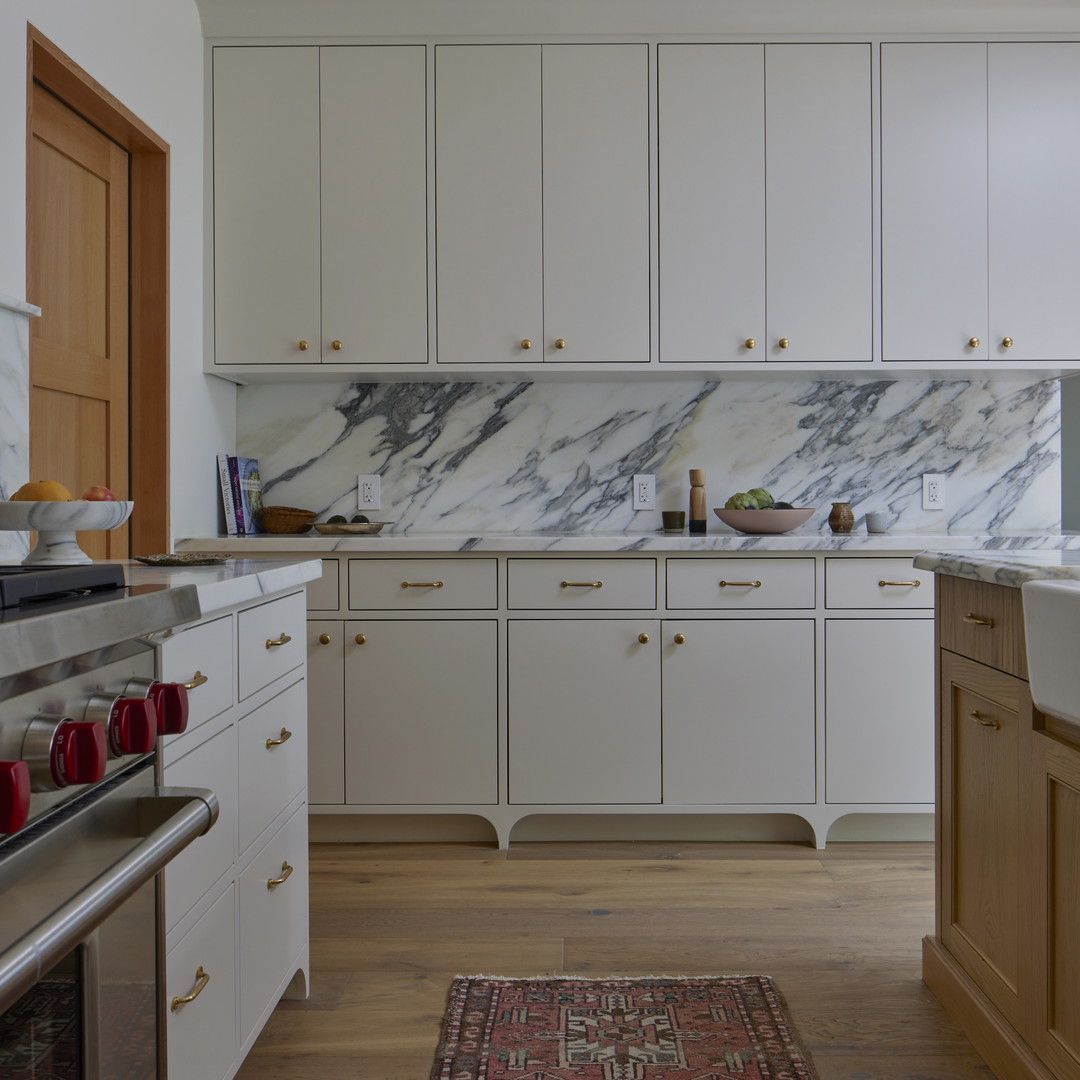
(512,687)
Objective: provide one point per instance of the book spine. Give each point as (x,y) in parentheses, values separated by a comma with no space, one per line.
(227,501)
(242,525)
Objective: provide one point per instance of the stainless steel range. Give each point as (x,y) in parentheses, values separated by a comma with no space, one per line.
(84,828)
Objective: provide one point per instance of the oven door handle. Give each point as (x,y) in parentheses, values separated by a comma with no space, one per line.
(169,819)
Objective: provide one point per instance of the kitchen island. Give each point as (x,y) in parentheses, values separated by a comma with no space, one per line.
(1004,958)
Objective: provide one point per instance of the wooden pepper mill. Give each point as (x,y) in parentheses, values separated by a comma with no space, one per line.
(698,520)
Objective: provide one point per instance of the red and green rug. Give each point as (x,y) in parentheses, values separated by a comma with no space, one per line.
(660,1028)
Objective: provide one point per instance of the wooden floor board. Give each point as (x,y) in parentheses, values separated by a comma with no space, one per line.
(840,931)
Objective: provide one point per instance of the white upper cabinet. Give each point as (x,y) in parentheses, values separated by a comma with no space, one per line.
(542,203)
(765,203)
(980,165)
(320,205)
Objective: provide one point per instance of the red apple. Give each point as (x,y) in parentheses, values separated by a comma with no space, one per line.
(97,493)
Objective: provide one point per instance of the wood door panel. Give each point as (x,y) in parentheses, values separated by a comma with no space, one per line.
(1063,945)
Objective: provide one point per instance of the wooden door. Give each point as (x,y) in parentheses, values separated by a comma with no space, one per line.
(78,243)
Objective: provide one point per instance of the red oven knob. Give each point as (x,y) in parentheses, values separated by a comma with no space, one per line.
(14,795)
(170,700)
(131,723)
(79,753)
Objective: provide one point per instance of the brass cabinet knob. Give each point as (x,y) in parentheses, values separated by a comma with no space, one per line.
(1007,343)
(643,638)
(783,343)
(750,343)
(526,343)
(361,639)
(560,343)
(324,639)
(335,345)
(974,342)
(679,639)
(302,346)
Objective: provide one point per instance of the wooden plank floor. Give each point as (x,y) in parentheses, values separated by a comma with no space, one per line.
(840,930)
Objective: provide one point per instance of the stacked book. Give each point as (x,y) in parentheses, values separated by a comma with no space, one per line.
(241,494)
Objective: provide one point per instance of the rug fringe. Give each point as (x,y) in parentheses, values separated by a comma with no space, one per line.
(605,978)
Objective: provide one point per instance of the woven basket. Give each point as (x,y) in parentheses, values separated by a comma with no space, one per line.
(286,519)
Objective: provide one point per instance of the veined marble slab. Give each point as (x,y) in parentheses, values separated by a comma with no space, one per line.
(1010,568)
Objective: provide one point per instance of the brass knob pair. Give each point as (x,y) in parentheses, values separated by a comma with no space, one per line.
(526,343)
(1006,343)
(303,346)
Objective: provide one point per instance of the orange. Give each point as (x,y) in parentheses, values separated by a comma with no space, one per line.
(42,491)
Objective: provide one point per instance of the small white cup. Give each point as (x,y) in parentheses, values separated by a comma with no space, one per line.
(876,522)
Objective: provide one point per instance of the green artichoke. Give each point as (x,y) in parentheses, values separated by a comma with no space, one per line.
(763,497)
(742,500)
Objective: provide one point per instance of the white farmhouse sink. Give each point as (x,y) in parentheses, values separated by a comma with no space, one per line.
(1052,629)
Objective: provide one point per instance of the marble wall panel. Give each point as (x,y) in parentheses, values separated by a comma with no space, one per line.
(14,419)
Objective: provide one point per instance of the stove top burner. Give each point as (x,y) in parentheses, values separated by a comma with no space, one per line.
(26,585)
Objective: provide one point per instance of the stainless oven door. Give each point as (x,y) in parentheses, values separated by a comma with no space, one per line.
(79,931)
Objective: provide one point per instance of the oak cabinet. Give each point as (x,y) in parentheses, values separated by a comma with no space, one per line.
(542,203)
(980,160)
(765,202)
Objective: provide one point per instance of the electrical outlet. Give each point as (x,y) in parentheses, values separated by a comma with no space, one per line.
(644,491)
(369,492)
(933,491)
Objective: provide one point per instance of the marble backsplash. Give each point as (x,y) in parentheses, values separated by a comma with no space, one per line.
(14,416)
(499,457)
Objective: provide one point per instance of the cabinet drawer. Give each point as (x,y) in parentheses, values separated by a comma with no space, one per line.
(322,593)
(877,583)
(582,584)
(206,651)
(270,641)
(273,918)
(211,765)
(740,583)
(273,761)
(422,584)
(202,1033)
(984,622)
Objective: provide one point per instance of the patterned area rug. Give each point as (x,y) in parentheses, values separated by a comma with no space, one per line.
(660,1028)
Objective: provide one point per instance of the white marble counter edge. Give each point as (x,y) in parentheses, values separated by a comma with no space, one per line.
(1009,568)
(21,307)
(231,584)
(406,543)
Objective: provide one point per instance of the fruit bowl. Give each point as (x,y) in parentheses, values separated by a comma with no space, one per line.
(764,522)
(56,524)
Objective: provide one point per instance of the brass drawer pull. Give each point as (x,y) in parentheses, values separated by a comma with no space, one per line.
(284,737)
(749,584)
(201,979)
(283,640)
(581,584)
(985,721)
(913,584)
(197,680)
(286,873)
(421,584)
(978,620)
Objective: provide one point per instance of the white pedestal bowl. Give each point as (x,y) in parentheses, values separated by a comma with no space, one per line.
(57,523)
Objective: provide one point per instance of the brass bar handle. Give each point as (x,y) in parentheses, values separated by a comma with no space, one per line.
(748,584)
(581,584)
(985,721)
(201,979)
(421,584)
(913,584)
(284,639)
(286,873)
(978,620)
(284,737)
(197,680)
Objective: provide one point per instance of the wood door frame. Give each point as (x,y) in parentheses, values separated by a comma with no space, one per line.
(149,277)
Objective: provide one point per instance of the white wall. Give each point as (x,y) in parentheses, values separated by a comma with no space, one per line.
(149,54)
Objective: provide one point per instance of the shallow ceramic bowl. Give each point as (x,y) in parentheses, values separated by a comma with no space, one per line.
(764,521)
(355,528)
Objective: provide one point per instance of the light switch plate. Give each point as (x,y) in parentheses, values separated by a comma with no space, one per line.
(369,491)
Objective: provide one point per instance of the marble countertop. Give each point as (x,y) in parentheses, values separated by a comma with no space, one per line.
(1011,568)
(389,541)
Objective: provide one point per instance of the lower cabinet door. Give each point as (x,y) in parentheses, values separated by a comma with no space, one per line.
(200,996)
(326,711)
(584,711)
(273,919)
(739,717)
(879,711)
(421,711)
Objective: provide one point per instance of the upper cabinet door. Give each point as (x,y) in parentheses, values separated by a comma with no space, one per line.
(488,209)
(934,202)
(819,202)
(374,205)
(266,205)
(1034,179)
(711,134)
(596,203)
